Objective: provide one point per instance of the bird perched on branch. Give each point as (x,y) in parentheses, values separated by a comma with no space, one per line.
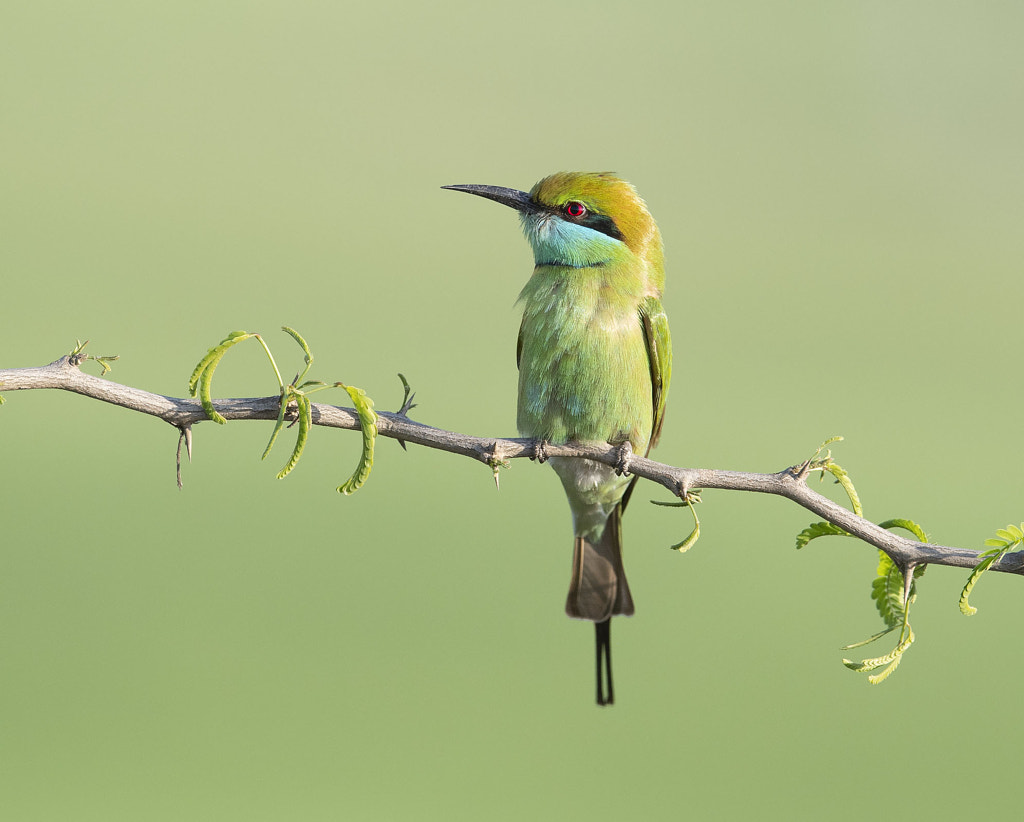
(595,358)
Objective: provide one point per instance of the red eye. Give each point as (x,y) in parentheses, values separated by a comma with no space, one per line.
(575,209)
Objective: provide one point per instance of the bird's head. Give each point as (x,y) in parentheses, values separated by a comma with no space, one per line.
(583,219)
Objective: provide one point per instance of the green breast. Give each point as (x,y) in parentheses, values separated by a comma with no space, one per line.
(584,372)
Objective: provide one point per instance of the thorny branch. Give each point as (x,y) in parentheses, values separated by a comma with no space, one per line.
(64,374)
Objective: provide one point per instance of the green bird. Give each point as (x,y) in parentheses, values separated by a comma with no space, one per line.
(595,358)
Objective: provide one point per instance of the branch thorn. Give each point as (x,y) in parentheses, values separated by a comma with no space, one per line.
(185,436)
(495,458)
(682,489)
(908,580)
(407,404)
(76,357)
(800,472)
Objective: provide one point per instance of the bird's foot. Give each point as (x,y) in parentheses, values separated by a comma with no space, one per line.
(540,451)
(623,458)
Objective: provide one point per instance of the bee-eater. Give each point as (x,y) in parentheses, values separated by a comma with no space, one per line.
(595,358)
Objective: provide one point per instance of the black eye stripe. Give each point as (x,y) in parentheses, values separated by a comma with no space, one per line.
(598,222)
(602,223)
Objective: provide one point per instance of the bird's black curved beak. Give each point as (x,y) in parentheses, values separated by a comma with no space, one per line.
(519,200)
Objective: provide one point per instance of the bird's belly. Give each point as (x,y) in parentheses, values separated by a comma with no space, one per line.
(593,489)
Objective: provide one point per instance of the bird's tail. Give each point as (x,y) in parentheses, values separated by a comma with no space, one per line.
(599,591)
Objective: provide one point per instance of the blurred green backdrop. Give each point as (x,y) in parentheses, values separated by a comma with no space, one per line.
(840,187)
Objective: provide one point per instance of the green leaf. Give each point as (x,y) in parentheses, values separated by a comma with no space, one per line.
(690,541)
(870,639)
(889,601)
(305,350)
(305,423)
(879,661)
(844,479)
(103,362)
(298,338)
(214,353)
(891,659)
(906,525)
(818,529)
(1006,540)
(893,599)
(368,424)
(690,500)
(965,606)
(286,396)
(202,376)
(887,591)
(818,460)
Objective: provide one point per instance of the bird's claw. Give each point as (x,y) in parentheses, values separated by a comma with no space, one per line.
(623,458)
(291,412)
(540,451)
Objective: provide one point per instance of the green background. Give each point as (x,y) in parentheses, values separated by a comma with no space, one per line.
(840,188)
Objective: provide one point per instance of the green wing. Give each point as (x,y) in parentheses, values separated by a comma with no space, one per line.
(519,343)
(659,352)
